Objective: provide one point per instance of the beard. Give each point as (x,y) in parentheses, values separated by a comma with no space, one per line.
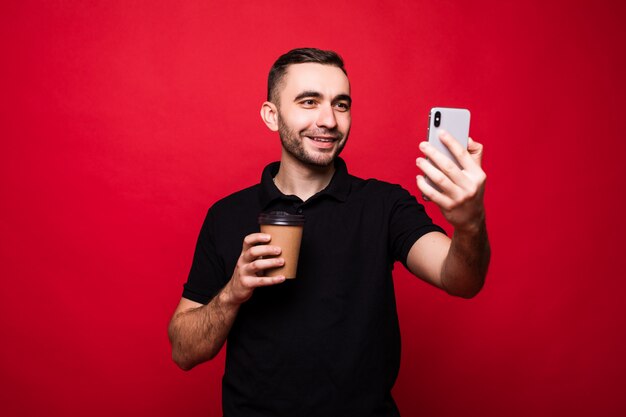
(293,144)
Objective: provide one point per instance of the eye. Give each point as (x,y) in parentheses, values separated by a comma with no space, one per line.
(342,106)
(308,103)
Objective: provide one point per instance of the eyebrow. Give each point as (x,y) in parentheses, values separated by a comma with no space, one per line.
(343,97)
(308,93)
(316,94)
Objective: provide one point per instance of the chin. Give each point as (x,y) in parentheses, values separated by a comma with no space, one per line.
(321,160)
(323,163)
(315,162)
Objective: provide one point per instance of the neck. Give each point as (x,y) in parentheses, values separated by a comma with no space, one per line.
(304,181)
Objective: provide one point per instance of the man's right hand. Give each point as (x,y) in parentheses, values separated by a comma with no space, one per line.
(248,273)
(197,332)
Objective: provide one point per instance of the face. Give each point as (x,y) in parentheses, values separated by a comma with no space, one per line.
(314,113)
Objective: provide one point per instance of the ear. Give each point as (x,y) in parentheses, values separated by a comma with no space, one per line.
(269,114)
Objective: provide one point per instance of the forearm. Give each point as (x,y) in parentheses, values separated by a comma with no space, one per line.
(465,267)
(198,334)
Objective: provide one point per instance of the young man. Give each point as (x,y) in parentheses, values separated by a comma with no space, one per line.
(326,343)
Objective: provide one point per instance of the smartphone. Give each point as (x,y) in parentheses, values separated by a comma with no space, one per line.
(454,121)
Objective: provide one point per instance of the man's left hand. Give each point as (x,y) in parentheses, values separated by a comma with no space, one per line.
(461,190)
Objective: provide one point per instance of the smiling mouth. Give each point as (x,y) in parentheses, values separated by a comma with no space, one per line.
(322,139)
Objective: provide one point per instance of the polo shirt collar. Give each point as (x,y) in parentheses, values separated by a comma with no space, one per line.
(338,188)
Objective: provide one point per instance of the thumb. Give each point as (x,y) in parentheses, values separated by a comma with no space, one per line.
(475,150)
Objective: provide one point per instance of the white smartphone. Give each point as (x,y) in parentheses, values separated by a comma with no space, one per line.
(454,121)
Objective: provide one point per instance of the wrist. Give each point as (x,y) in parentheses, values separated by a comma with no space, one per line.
(226,296)
(472,228)
(229,297)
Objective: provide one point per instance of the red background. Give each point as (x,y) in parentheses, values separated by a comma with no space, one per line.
(121,122)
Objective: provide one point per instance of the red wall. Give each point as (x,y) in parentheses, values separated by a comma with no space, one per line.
(121,122)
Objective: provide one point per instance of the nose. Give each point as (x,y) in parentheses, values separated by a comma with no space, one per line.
(326,117)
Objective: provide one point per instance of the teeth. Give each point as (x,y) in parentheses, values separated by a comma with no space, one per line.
(322,140)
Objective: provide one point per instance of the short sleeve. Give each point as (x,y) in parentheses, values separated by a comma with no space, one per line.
(207,275)
(408,222)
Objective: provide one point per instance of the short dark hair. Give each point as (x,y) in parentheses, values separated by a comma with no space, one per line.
(299,56)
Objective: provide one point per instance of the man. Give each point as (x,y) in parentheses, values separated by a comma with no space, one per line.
(326,343)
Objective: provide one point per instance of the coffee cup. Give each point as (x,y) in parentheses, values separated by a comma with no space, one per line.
(286,232)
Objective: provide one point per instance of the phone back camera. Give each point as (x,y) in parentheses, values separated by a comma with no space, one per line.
(437,118)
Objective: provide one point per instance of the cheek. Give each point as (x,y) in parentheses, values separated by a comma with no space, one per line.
(298,120)
(344,122)
(304,119)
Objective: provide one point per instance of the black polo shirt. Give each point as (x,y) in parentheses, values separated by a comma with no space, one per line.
(326,343)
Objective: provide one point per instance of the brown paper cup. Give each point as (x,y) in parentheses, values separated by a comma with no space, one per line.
(286,232)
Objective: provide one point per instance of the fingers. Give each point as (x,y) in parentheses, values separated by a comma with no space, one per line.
(435,175)
(445,174)
(450,186)
(458,191)
(475,150)
(469,159)
(254,239)
(443,165)
(432,194)
(242,286)
(266,281)
(259,251)
(245,285)
(257,256)
(260,265)
(460,153)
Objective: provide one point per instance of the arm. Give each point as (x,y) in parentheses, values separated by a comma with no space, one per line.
(458,265)
(197,332)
